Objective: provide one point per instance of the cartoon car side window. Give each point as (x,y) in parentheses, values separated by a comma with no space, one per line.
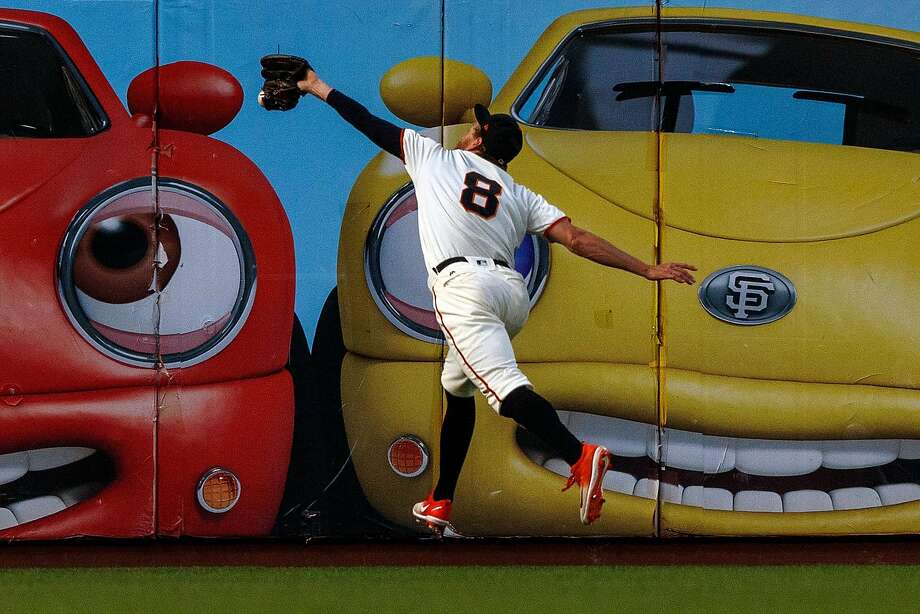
(551,87)
(43,95)
(578,93)
(775,83)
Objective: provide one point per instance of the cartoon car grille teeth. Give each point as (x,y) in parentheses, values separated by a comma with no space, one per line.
(741,474)
(42,482)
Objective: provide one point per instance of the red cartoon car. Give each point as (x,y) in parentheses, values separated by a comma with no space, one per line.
(146,302)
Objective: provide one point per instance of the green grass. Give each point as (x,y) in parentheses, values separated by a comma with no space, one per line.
(432,590)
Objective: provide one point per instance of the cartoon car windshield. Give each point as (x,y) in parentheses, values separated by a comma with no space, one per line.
(787,84)
(43,96)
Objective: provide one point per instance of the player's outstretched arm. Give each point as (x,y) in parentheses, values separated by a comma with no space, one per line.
(588,245)
(381,132)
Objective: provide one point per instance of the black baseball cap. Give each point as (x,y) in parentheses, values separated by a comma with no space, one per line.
(501,135)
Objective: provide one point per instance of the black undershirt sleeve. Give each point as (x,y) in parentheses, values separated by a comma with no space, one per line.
(381,132)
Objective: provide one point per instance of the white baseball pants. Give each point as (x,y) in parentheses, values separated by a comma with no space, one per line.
(480,308)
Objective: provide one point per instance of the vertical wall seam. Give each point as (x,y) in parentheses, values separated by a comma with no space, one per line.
(157,213)
(441,404)
(443,57)
(659,328)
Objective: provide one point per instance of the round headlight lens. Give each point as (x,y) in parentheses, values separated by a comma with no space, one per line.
(408,456)
(147,280)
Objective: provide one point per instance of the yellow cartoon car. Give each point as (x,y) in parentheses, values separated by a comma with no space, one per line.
(778,396)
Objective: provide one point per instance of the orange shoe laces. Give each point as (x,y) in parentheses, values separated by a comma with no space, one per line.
(571,481)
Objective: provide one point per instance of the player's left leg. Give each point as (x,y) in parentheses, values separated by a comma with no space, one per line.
(479,315)
(456,435)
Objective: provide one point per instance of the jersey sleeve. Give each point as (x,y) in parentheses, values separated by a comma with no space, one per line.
(381,132)
(541,214)
(416,150)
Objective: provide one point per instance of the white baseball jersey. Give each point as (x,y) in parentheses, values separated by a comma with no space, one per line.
(468,206)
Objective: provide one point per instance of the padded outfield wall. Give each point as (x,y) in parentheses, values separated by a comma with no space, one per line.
(214,319)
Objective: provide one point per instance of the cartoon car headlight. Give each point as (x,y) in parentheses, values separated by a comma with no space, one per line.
(144,287)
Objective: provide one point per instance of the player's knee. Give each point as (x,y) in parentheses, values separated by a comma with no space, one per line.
(458,387)
(518,401)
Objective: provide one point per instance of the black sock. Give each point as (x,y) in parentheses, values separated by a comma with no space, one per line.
(456,434)
(535,414)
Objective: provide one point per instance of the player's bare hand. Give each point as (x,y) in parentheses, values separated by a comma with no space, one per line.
(312,84)
(308,82)
(678,271)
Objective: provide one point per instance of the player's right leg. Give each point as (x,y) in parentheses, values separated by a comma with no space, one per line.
(588,461)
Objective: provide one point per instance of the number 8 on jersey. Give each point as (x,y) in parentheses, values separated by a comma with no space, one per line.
(480,195)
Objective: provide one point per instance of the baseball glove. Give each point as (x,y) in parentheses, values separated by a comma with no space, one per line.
(281,73)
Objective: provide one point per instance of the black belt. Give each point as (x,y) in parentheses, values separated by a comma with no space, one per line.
(446,263)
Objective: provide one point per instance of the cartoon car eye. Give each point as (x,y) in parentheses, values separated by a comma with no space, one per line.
(395,270)
(146,279)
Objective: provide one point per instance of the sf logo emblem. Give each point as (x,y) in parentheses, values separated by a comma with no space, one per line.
(748,293)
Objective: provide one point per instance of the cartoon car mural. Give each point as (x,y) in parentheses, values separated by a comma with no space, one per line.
(146,317)
(786,167)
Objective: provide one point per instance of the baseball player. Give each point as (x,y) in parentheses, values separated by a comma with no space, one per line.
(471,217)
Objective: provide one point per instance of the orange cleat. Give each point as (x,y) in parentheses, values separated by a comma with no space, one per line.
(588,473)
(435,514)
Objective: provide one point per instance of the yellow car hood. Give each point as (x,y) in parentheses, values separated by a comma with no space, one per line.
(617,166)
(743,188)
(835,220)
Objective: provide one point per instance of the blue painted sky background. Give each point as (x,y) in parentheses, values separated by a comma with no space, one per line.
(310,156)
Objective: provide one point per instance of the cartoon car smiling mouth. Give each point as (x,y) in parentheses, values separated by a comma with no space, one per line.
(782,399)
(746,474)
(39,483)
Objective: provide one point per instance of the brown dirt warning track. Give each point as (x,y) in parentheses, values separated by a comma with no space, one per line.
(323,553)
